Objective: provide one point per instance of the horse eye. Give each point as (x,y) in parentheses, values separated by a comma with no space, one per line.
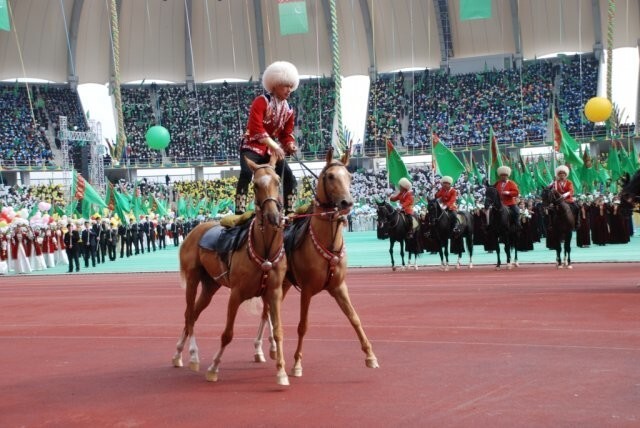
(330,176)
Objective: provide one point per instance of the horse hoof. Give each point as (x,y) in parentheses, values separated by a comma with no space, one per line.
(194,366)
(403,267)
(372,363)
(509,266)
(458,266)
(446,268)
(283,379)
(211,376)
(497,267)
(273,354)
(393,268)
(560,266)
(470,265)
(177,361)
(517,264)
(296,372)
(569,266)
(259,358)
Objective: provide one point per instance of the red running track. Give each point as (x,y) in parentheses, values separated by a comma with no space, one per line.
(528,347)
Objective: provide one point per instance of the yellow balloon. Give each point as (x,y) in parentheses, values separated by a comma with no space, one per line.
(598,109)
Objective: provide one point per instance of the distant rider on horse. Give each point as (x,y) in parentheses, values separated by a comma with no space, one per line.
(564,187)
(447,196)
(404,195)
(509,192)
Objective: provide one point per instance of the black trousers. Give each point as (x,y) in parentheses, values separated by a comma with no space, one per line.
(289,182)
(74,257)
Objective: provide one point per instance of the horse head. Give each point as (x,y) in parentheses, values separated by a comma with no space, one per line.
(334,185)
(631,188)
(266,186)
(434,211)
(492,198)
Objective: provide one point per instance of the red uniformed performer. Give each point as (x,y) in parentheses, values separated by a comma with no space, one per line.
(509,192)
(564,187)
(447,195)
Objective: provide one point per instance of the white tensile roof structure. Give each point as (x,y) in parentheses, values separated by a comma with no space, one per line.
(204,40)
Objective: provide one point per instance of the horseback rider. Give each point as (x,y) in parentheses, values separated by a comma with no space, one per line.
(564,187)
(404,195)
(447,196)
(509,192)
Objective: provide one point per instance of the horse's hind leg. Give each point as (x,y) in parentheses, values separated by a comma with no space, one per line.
(567,253)
(209,288)
(391,244)
(191,284)
(258,355)
(559,256)
(341,294)
(227,335)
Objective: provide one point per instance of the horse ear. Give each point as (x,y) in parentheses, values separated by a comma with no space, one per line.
(329,156)
(251,164)
(345,157)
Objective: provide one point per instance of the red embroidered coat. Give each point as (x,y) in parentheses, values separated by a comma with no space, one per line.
(508,191)
(565,188)
(38,243)
(405,197)
(269,119)
(448,197)
(4,248)
(49,245)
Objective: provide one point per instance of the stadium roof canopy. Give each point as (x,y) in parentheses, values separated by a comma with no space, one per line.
(237,38)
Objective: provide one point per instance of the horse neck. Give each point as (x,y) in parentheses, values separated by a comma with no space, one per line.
(266,238)
(328,232)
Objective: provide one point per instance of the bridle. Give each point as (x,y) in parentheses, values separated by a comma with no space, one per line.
(264,262)
(434,219)
(388,215)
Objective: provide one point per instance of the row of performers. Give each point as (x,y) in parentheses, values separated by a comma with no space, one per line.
(25,248)
(602,222)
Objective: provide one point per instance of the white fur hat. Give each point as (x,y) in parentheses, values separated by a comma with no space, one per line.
(280,72)
(562,168)
(504,170)
(404,183)
(447,179)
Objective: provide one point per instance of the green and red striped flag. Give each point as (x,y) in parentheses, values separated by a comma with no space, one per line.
(447,163)
(396,169)
(81,189)
(495,160)
(293,17)
(5,23)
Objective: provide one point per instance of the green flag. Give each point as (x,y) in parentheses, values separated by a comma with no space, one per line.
(625,161)
(396,169)
(81,189)
(5,24)
(613,162)
(293,17)
(565,144)
(633,155)
(573,176)
(475,172)
(446,161)
(495,160)
(475,9)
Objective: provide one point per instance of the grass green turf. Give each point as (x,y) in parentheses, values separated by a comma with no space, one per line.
(364,250)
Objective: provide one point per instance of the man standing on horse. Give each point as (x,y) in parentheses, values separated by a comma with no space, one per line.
(447,196)
(564,187)
(509,192)
(404,195)
(270,132)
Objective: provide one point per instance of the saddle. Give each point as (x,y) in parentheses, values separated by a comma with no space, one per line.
(224,240)
(295,234)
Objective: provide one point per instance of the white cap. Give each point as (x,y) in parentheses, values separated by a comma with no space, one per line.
(504,170)
(447,179)
(278,73)
(562,168)
(404,183)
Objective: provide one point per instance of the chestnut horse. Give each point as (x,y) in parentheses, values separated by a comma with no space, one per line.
(256,268)
(319,262)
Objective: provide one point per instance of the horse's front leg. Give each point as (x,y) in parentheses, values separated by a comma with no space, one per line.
(275,301)
(499,263)
(469,240)
(341,294)
(559,255)
(305,302)
(402,253)
(446,255)
(507,251)
(391,244)
(235,299)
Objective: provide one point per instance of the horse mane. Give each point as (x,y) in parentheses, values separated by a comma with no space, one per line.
(632,187)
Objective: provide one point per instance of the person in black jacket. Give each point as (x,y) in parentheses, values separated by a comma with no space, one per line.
(72,247)
(95,228)
(162,233)
(112,241)
(123,231)
(89,243)
(104,240)
(133,228)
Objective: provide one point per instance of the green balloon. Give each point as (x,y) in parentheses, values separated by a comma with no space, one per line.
(157,137)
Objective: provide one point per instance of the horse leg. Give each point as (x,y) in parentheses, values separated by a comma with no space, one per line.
(191,280)
(305,302)
(567,251)
(469,240)
(392,243)
(559,255)
(275,301)
(401,242)
(341,294)
(441,254)
(498,255)
(258,355)
(235,299)
(507,251)
(446,255)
